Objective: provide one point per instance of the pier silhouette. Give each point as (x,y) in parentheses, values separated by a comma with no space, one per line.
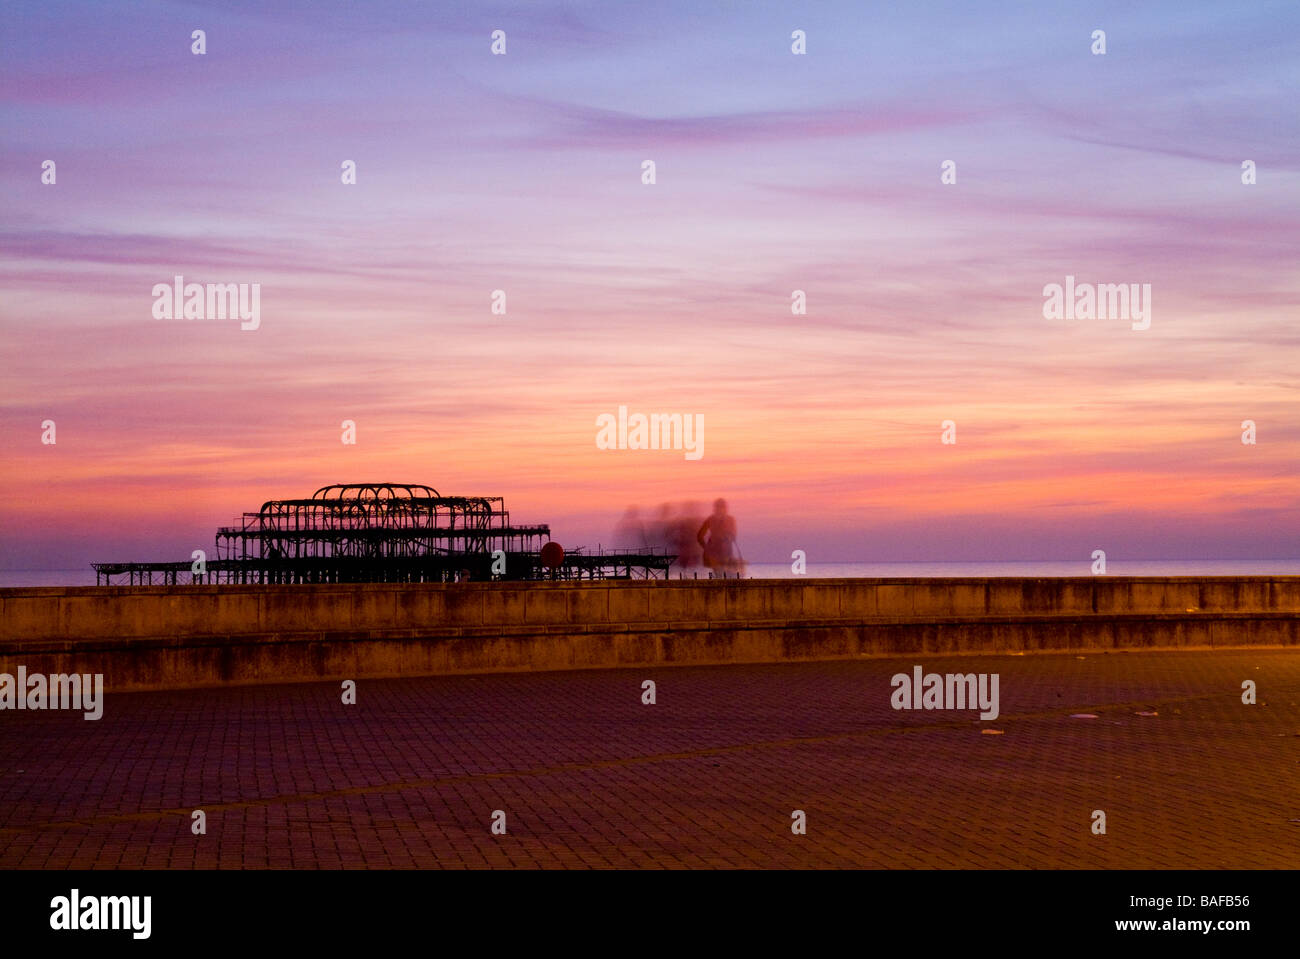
(386,533)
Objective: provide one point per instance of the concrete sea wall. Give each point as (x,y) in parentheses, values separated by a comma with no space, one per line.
(190,636)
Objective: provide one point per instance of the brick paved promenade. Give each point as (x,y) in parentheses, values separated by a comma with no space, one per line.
(707,777)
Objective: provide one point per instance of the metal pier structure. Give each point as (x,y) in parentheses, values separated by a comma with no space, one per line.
(385,533)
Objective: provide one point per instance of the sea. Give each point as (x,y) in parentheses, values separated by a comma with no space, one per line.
(1073,567)
(918,570)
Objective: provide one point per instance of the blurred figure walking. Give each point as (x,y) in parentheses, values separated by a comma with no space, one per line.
(721,553)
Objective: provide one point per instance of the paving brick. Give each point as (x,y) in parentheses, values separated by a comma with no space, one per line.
(707,777)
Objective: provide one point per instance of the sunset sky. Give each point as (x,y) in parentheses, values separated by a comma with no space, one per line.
(775,172)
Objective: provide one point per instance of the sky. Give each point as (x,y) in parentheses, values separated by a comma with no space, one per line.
(774,172)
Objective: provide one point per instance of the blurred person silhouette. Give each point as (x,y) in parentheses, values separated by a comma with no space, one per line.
(630,533)
(721,553)
(669,528)
(681,535)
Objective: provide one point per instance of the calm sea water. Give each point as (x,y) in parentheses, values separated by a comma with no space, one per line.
(1114,567)
(1074,567)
